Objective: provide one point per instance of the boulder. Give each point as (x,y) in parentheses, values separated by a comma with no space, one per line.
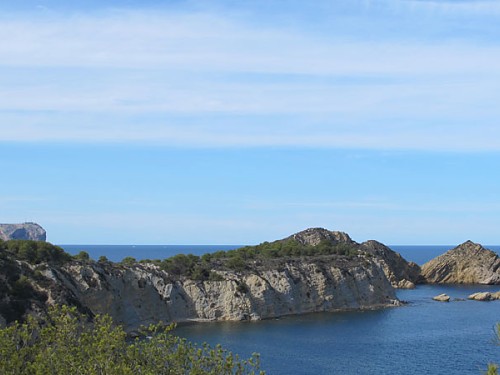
(495,295)
(442,298)
(484,296)
(481,296)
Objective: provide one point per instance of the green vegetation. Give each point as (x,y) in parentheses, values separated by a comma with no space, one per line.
(191,266)
(68,344)
(242,259)
(292,248)
(16,289)
(35,252)
(103,259)
(492,367)
(128,261)
(82,256)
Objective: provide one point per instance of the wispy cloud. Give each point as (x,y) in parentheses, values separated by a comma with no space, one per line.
(195,78)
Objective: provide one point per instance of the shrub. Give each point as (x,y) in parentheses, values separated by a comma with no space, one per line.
(36,251)
(69,345)
(242,288)
(236,263)
(128,261)
(83,256)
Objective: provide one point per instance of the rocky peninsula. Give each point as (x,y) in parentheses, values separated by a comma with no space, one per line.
(313,270)
(310,271)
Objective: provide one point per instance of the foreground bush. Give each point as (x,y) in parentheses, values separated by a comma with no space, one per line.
(67,344)
(492,367)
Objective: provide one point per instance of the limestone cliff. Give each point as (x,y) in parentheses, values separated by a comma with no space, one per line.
(25,231)
(142,293)
(468,263)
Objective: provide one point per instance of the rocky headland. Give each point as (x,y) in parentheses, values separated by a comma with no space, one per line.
(322,271)
(399,272)
(313,270)
(24,231)
(468,263)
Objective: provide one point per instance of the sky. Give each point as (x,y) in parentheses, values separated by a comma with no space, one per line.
(237,122)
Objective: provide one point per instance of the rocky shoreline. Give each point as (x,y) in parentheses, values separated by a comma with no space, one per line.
(322,271)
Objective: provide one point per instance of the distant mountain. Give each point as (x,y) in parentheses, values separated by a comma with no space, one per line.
(25,231)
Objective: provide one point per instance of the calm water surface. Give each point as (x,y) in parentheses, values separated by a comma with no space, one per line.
(423,337)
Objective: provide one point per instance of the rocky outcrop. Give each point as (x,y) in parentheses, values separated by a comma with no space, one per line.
(401,274)
(468,263)
(25,231)
(484,296)
(315,236)
(442,298)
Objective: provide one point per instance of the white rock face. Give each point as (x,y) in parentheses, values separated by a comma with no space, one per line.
(143,294)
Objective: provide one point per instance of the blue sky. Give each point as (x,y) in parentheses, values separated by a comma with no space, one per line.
(235,122)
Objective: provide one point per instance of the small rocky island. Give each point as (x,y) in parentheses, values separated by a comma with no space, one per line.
(468,263)
(310,271)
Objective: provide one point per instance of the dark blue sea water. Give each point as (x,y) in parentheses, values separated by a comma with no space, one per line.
(423,337)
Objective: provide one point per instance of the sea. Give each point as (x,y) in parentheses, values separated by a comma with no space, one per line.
(421,337)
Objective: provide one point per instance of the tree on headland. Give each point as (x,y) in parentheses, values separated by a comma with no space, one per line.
(68,344)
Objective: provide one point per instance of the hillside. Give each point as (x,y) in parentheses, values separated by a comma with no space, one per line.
(291,276)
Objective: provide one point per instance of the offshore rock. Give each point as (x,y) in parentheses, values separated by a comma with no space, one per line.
(442,298)
(25,231)
(481,296)
(468,263)
(484,296)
